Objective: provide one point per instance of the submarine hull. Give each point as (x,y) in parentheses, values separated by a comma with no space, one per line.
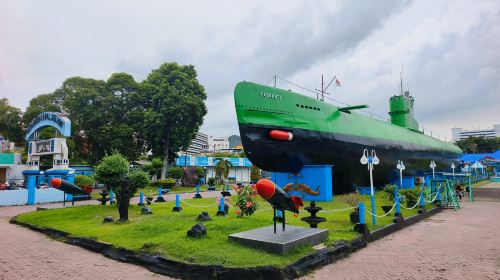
(311,147)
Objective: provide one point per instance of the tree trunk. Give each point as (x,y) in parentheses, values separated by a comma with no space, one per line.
(123,200)
(123,204)
(165,157)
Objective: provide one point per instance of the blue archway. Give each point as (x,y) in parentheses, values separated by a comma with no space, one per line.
(52,119)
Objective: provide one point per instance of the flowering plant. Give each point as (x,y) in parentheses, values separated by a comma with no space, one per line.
(246,201)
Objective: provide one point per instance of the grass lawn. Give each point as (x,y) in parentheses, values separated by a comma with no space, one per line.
(165,231)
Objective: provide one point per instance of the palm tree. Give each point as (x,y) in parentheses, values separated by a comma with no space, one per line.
(222,168)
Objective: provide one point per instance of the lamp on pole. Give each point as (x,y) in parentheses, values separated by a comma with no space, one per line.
(433,165)
(397,216)
(205,171)
(371,159)
(453,169)
(401,167)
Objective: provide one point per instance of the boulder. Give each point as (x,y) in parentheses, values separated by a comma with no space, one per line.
(108,219)
(197,231)
(203,217)
(146,210)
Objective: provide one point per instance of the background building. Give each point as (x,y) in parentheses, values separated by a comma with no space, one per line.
(6,145)
(218,143)
(198,145)
(234,140)
(10,167)
(240,170)
(458,133)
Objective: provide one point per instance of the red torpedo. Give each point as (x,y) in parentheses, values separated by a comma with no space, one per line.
(271,192)
(280,135)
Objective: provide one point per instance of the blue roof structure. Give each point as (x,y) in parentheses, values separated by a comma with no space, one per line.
(477,157)
(495,155)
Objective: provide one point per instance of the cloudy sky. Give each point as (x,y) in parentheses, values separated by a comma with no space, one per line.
(450,50)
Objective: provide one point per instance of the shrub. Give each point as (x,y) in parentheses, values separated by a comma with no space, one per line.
(83,180)
(111,169)
(138,179)
(222,168)
(352,199)
(254,173)
(167,183)
(245,201)
(175,172)
(410,194)
(200,172)
(389,192)
(211,182)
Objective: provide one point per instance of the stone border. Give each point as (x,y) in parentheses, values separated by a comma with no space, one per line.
(161,265)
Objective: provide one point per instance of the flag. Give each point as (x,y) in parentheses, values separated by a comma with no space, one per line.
(337,83)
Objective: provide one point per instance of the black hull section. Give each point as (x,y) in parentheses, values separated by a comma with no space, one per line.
(342,151)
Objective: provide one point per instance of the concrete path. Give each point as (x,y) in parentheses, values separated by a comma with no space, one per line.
(462,244)
(25,254)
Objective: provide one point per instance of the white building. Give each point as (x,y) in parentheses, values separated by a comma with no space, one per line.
(6,145)
(198,145)
(458,133)
(11,167)
(218,143)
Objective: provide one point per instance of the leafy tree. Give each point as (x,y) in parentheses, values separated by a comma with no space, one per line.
(49,102)
(153,168)
(174,109)
(200,172)
(176,172)
(10,122)
(138,179)
(222,168)
(110,170)
(113,171)
(254,173)
(479,145)
(226,154)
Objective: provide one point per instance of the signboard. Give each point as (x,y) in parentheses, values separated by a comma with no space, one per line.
(209,161)
(313,182)
(52,119)
(43,147)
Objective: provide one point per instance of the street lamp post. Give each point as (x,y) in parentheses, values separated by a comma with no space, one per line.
(371,159)
(397,216)
(453,169)
(205,177)
(433,165)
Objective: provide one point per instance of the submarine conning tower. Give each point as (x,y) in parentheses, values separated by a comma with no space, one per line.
(401,111)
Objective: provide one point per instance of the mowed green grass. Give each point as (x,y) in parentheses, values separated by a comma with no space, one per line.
(164,232)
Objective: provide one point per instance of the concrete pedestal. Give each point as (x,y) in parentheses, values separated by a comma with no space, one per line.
(281,242)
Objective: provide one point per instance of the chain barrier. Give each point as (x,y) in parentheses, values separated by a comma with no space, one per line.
(199,206)
(381,216)
(416,204)
(337,210)
(432,200)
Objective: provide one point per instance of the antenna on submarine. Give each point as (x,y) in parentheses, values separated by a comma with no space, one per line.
(323,88)
(401,77)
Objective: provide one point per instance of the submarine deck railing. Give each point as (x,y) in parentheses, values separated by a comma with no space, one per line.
(368,113)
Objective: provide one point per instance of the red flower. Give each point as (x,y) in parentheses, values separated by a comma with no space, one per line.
(238,212)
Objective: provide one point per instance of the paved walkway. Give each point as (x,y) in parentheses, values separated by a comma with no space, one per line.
(462,244)
(25,254)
